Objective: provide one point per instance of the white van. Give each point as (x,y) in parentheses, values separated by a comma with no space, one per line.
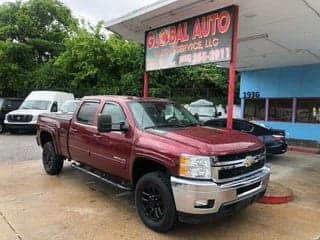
(37,102)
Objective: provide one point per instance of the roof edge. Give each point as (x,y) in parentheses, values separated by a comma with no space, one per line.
(140,11)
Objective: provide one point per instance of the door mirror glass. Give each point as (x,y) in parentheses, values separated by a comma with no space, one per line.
(104,123)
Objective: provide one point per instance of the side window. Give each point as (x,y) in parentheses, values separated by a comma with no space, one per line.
(237,126)
(54,107)
(116,112)
(8,105)
(87,112)
(16,104)
(246,127)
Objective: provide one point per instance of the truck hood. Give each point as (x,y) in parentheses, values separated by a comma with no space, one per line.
(211,141)
(33,112)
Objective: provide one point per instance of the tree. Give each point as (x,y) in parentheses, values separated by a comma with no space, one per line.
(31,34)
(102,65)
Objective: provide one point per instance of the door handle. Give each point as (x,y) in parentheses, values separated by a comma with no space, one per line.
(72,130)
(97,135)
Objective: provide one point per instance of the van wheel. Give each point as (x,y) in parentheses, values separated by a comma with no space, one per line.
(52,162)
(154,201)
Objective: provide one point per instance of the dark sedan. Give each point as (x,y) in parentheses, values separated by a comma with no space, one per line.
(274,139)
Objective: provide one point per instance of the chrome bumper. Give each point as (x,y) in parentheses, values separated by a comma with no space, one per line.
(187,192)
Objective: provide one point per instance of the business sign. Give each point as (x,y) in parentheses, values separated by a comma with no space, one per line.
(203,39)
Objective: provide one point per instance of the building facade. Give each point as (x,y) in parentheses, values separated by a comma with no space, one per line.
(284,98)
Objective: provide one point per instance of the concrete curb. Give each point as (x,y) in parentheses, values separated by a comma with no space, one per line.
(304,150)
(276,194)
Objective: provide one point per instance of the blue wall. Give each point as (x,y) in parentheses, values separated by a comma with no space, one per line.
(291,82)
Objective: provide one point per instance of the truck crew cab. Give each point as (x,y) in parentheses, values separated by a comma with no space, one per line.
(177,169)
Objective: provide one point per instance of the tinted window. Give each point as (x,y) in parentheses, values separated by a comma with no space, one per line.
(308,110)
(254,109)
(54,107)
(216,123)
(87,112)
(16,103)
(116,112)
(280,110)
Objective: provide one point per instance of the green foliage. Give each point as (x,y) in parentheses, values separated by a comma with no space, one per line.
(190,83)
(99,65)
(31,33)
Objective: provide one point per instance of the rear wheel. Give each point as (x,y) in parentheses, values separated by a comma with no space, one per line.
(52,162)
(154,201)
(1,128)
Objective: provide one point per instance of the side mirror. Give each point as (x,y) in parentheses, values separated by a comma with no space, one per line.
(104,123)
(218,114)
(196,115)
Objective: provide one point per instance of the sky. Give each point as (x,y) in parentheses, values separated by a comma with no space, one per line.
(95,10)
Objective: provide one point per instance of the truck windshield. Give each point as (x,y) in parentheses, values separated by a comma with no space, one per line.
(159,114)
(35,104)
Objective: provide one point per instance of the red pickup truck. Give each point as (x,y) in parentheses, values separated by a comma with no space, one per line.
(178,170)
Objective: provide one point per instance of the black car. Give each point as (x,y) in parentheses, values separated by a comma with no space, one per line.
(8,105)
(274,139)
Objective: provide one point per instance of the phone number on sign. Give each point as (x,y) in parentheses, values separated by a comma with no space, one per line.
(214,55)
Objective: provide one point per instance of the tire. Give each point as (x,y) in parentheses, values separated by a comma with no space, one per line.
(1,127)
(154,201)
(52,162)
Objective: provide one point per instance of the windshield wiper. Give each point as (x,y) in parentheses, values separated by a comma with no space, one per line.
(191,124)
(165,125)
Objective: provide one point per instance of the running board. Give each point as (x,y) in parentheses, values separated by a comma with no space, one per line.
(104,179)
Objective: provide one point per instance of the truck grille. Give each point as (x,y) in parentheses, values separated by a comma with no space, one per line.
(229,173)
(230,167)
(232,157)
(19,118)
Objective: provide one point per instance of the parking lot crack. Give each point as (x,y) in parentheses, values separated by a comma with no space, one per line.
(10,225)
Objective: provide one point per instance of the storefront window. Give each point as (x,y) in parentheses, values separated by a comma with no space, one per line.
(254,109)
(280,110)
(308,110)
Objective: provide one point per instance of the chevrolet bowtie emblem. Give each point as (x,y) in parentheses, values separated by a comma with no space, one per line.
(248,161)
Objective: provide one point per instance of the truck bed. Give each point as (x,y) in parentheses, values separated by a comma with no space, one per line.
(58,124)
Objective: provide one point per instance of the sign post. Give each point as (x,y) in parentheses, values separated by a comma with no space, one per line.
(232,68)
(145,84)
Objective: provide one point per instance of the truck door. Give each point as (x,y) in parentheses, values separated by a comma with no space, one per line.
(82,127)
(111,151)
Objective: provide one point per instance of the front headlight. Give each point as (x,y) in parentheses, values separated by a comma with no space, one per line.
(193,166)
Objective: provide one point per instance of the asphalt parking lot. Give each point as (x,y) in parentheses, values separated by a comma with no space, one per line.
(73,205)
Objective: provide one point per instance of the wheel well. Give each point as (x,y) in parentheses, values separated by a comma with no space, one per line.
(143,166)
(45,137)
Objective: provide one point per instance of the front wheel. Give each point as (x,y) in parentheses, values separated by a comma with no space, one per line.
(1,127)
(52,162)
(154,201)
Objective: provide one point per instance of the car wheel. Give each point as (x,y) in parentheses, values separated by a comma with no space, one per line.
(52,162)
(1,128)
(154,201)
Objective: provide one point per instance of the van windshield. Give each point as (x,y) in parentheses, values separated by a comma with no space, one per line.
(203,111)
(35,104)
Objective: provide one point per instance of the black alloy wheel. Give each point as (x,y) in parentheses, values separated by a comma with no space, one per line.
(52,162)
(154,201)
